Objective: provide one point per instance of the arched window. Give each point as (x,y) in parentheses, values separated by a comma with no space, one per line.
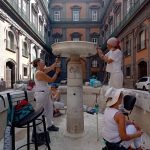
(10,41)
(142,69)
(24,49)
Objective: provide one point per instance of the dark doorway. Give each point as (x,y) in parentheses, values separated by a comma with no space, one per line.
(142,69)
(10,74)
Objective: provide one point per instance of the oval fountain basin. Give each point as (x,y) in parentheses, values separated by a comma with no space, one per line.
(68,48)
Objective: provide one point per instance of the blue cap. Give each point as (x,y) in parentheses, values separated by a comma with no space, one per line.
(54,85)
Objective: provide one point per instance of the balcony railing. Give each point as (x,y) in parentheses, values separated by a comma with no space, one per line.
(26,18)
(128,16)
(125,20)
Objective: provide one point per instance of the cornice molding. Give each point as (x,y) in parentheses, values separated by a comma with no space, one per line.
(75,7)
(94,7)
(57,7)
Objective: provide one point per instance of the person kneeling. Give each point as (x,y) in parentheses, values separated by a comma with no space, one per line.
(57,102)
(119,133)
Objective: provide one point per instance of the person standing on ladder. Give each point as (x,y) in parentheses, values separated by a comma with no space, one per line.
(114,62)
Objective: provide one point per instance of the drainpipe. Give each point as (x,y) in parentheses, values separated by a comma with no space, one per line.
(148,66)
(29,61)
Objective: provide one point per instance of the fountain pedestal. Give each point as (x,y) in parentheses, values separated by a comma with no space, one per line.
(74,50)
(75,121)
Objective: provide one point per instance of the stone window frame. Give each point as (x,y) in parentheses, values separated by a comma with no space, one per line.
(139,48)
(57,8)
(95,40)
(94,35)
(128,44)
(117,10)
(34,13)
(94,8)
(25,51)
(128,71)
(94,16)
(20,5)
(41,23)
(74,9)
(25,75)
(57,17)
(110,23)
(11,46)
(75,15)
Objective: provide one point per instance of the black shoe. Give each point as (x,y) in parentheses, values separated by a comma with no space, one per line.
(53,128)
(104,148)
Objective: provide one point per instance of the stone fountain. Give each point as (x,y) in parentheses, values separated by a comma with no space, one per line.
(74,50)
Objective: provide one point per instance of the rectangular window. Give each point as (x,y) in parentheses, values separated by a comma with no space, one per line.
(94,15)
(128,5)
(128,71)
(56,15)
(33,18)
(111,28)
(76,15)
(128,47)
(95,40)
(25,71)
(118,19)
(40,27)
(24,6)
(142,40)
(19,3)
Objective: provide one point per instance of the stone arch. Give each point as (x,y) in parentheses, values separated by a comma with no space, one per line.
(25,48)
(10,72)
(142,68)
(10,32)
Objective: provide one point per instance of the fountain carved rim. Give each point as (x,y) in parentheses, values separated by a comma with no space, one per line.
(74,48)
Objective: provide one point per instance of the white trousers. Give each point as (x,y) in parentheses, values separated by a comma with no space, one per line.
(58,105)
(116,80)
(43,99)
(130,129)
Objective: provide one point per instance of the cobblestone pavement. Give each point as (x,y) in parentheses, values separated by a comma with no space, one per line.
(90,140)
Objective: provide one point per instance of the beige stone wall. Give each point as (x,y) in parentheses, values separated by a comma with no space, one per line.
(142,118)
